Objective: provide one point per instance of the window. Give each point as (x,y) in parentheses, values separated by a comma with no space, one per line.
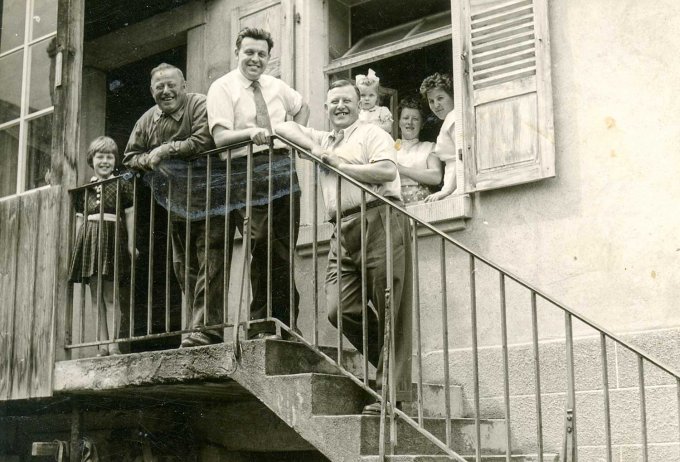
(501,75)
(27,72)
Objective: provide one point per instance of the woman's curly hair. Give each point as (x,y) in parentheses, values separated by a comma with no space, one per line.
(411,102)
(436,80)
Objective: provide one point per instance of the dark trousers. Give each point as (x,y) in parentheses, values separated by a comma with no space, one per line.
(281,241)
(205,293)
(376,281)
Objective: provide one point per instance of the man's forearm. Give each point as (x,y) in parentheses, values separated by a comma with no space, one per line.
(224,137)
(377,172)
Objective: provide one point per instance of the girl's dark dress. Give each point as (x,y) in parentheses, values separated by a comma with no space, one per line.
(85,253)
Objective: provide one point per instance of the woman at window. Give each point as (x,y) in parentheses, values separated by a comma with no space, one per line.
(418,168)
(438,90)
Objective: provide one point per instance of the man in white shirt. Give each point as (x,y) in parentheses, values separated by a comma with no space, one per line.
(244,105)
(366,153)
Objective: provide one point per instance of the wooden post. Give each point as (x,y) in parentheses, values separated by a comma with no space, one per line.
(65,148)
(76,428)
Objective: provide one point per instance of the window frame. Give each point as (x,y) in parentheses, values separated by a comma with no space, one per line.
(24,116)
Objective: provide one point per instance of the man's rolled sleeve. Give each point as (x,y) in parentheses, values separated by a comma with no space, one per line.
(220,108)
(136,155)
(292,100)
(380,146)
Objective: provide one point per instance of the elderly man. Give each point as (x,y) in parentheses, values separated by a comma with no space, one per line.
(162,142)
(366,153)
(244,105)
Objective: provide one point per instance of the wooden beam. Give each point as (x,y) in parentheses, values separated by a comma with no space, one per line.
(65,148)
(130,44)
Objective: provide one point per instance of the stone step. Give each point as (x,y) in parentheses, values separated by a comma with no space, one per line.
(485,458)
(288,358)
(364,431)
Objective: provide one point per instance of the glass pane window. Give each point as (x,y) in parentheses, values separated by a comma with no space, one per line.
(11,67)
(28,56)
(44,19)
(42,75)
(9,157)
(12,22)
(39,159)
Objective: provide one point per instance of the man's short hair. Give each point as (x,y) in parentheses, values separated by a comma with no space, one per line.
(101,144)
(255,34)
(344,83)
(166,67)
(436,80)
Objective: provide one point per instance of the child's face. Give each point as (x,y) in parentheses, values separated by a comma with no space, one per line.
(441,103)
(369,98)
(103,164)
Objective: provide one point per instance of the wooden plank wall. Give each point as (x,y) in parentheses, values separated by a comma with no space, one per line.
(28,233)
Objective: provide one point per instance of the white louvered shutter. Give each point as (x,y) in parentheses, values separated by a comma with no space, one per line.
(507,124)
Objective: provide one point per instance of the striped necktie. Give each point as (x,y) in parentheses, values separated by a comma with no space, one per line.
(261,111)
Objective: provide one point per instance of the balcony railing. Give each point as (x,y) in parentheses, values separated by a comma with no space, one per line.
(453,257)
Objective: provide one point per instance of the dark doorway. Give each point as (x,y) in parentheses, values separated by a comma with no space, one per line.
(127,97)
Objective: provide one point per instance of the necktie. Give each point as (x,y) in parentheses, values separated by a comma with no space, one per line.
(261,111)
(336,138)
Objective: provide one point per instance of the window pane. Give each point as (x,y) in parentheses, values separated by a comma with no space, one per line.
(42,75)
(12,19)
(9,155)
(44,17)
(39,151)
(10,86)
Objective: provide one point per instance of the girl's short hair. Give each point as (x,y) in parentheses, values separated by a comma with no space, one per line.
(101,144)
(436,80)
(411,102)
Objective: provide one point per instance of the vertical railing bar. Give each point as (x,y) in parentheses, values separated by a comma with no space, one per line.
(133,264)
(100,265)
(445,344)
(149,280)
(677,387)
(208,201)
(364,294)
(246,229)
(571,438)
(475,356)
(605,389)
(68,321)
(506,367)
(389,306)
(291,243)
(315,254)
(187,252)
(643,408)
(537,377)
(81,327)
(168,262)
(227,235)
(416,314)
(116,263)
(338,234)
(270,219)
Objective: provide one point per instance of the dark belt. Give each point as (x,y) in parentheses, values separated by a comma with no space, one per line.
(357,209)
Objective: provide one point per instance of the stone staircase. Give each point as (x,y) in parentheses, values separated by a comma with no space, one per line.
(301,388)
(324,407)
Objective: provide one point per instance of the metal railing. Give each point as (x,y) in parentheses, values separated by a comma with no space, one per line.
(390,413)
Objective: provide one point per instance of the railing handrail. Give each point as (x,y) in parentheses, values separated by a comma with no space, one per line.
(602,330)
(506,273)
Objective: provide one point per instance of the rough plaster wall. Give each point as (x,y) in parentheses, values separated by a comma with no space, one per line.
(603,236)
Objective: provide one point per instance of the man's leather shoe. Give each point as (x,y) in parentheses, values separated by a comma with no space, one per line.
(199,339)
(266,336)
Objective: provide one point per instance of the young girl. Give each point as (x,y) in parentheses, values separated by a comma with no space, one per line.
(369,86)
(101,156)
(438,90)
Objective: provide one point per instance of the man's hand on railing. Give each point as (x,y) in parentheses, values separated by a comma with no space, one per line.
(259,136)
